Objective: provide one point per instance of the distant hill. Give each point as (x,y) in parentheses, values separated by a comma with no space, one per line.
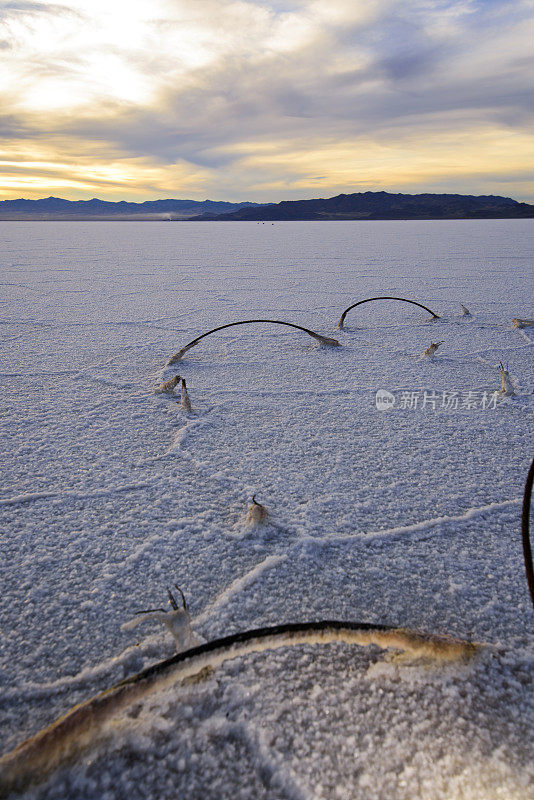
(362,205)
(55,208)
(383,205)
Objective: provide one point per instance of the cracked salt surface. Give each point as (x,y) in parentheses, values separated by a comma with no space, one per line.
(111,493)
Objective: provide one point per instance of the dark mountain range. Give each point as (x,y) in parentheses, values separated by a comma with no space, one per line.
(363,205)
(383,205)
(51,208)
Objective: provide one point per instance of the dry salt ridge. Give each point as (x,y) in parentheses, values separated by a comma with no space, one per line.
(406,518)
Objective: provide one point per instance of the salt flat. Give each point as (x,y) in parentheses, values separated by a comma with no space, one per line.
(408,517)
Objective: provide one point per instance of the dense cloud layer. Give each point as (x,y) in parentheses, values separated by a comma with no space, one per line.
(265,100)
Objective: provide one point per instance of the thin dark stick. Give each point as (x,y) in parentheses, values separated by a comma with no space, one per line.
(150,611)
(323,339)
(525,528)
(369,299)
(172,601)
(184,601)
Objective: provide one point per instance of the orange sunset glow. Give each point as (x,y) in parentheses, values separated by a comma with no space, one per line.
(265,101)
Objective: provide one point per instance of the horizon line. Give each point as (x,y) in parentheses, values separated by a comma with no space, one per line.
(256,202)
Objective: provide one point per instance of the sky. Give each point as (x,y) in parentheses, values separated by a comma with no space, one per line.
(265,100)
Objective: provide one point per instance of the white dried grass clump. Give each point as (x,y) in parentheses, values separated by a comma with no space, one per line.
(429,352)
(507,386)
(257,514)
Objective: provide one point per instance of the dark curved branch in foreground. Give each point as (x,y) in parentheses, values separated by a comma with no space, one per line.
(525,531)
(56,745)
(369,299)
(322,339)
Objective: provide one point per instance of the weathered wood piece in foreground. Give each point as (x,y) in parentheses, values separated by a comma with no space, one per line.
(61,742)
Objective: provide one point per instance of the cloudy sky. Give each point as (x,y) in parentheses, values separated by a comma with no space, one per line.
(265,99)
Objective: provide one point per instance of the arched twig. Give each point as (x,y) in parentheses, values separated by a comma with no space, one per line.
(525,531)
(32,760)
(322,339)
(369,299)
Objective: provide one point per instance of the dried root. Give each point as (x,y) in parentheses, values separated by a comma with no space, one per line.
(429,352)
(507,386)
(185,401)
(326,340)
(257,514)
(71,735)
(169,386)
(525,531)
(341,322)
